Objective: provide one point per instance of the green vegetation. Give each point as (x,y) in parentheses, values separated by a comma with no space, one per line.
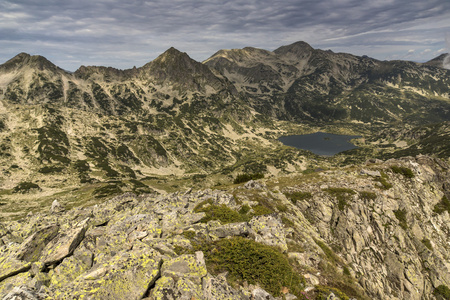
(331,256)
(407,172)
(443,291)
(53,144)
(246,260)
(427,243)
(367,195)
(241,178)
(342,195)
(50,169)
(222,213)
(107,191)
(324,291)
(259,210)
(443,205)
(26,187)
(400,214)
(385,185)
(298,196)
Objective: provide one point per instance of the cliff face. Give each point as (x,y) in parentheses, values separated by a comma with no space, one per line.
(377,231)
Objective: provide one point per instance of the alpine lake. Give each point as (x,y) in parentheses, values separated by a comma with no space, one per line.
(320,143)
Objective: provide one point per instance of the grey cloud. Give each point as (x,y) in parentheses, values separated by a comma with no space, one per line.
(137,30)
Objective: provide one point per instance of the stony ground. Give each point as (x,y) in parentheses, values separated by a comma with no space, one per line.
(376,231)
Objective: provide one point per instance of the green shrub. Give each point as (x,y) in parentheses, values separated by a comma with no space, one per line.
(442,206)
(443,291)
(342,195)
(427,243)
(346,271)
(407,172)
(50,169)
(331,256)
(222,213)
(241,178)
(385,185)
(244,209)
(367,195)
(259,210)
(26,187)
(400,214)
(107,191)
(246,260)
(189,234)
(298,196)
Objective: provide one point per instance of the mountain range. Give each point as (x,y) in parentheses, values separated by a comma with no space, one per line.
(177,116)
(164,132)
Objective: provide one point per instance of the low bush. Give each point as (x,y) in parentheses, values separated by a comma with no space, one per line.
(342,195)
(50,169)
(298,196)
(222,213)
(385,185)
(443,291)
(26,187)
(246,260)
(443,205)
(107,191)
(400,214)
(241,178)
(407,172)
(367,195)
(427,243)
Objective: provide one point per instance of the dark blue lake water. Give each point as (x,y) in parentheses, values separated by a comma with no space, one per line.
(320,143)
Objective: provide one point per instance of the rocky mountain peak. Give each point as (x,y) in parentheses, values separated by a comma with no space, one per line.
(297,48)
(105,73)
(177,68)
(26,60)
(438,61)
(171,55)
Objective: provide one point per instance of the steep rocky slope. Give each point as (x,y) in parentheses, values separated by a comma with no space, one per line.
(300,83)
(377,231)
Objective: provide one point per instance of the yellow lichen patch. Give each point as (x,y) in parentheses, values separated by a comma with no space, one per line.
(127,275)
(10,282)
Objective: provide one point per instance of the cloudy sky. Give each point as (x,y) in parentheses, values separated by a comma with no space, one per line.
(127,33)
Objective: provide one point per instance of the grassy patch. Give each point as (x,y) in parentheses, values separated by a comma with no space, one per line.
(50,169)
(443,291)
(323,293)
(427,243)
(241,178)
(407,172)
(342,195)
(443,205)
(385,185)
(259,210)
(331,256)
(298,196)
(246,260)
(107,191)
(222,213)
(26,187)
(367,195)
(400,214)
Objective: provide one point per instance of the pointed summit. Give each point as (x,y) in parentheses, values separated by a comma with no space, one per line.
(298,48)
(22,60)
(438,61)
(177,68)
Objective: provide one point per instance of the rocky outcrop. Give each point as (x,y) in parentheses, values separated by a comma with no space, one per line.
(351,236)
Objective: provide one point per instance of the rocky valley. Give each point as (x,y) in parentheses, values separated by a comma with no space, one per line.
(124,184)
